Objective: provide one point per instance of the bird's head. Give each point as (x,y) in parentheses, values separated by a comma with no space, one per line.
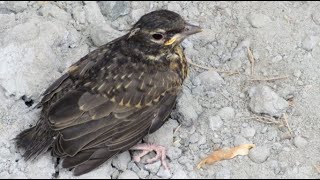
(162,28)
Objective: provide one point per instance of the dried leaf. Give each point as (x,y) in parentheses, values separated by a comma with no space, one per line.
(228,153)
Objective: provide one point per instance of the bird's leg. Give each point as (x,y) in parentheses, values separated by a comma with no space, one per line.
(146,148)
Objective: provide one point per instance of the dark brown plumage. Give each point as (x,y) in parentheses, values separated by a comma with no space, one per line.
(114,96)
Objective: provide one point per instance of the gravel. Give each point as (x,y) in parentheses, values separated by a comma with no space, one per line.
(128,175)
(264,100)
(300,142)
(40,40)
(259,154)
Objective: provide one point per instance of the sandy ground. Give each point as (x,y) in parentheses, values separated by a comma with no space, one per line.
(218,108)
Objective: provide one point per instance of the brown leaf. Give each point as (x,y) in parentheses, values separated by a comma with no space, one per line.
(227,153)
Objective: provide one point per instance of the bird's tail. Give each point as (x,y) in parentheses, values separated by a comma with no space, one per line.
(35,140)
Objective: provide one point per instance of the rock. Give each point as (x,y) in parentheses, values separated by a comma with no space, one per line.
(248,132)
(264,100)
(174,153)
(316,17)
(163,173)
(137,13)
(22,33)
(79,14)
(259,154)
(310,42)
(143,173)
(50,10)
(188,109)
(238,140)
(103,34)
(297,73)
(300,142)
(154,167)
(15,6)
(93,13)
(194,138)
(164,135)
(114,9)
(209,79)
(276,58)
(226,113)
(180,174)
(215,122)
(121,161)
(241,50)
(223,174)
(258,20)
(272,134)
(128,175)
(175,7)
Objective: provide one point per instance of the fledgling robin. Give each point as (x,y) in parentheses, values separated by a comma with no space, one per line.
(114,96)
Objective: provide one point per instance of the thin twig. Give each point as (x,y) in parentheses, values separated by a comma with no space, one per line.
(229,73)
(176,130)
(269,79)
(317,167)
(285,119)
(251,59)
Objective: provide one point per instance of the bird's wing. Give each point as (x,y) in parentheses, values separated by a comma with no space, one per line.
(110,112)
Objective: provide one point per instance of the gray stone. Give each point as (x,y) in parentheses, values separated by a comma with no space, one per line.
(188,109)
(226,113)
(241,50)
(264,100)
(164,173)
(223,174)
(114,9)
(143,173)
(103,34)
(297,73)
(180,174)
(121,161)
(209,79)
(248,132)
(238,140)
(316,17)
(49,10)
(128,175)
(272,134)
(79,14)
(258,20)
(174,153)
(93,13)
(309,42)
(215,123)
(173,6)
(194,138)
(163,136)
(154,167)
(300,142)
(15,6)
(259,154)
(137,13)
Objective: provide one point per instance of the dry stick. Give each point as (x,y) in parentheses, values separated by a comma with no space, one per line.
(270,79)
(176,130)
(251,59)
(219,71)
(317,167)
(266,120)
(285,118)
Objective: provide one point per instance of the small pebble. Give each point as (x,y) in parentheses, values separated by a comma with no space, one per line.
(128,175)
(300,142)
(259,154)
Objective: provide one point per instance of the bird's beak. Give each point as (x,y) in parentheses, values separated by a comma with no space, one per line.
(188,30)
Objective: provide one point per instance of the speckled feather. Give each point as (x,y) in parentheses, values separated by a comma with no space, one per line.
(110,99)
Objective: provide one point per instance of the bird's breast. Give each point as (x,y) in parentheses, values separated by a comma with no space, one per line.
(178,62)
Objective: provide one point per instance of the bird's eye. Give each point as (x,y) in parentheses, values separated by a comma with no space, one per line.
(157,36)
